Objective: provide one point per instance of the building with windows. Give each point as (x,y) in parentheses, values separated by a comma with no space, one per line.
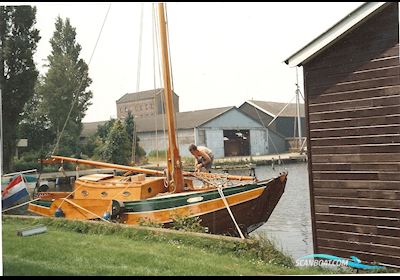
(144,103)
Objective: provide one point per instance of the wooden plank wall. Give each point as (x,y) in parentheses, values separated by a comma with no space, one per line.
(353,118)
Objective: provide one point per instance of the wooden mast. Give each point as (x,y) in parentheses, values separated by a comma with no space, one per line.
(174,163)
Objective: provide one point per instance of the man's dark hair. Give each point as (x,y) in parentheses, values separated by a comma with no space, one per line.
(192,147)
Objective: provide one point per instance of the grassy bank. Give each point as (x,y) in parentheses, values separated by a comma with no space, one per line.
(79,248)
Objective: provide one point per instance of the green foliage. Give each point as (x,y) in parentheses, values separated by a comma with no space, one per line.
(65,85)
(116,148)
(88,147)
(129,124)
(188,224)
(188,161)
(161,154)
(265,249)
(35,126)
(104,130)
(100,146)
(149,223)
(18,74)
(28,160)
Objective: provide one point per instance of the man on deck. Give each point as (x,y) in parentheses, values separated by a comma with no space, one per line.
(204,158)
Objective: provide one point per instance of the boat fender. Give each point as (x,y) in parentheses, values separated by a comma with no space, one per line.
(116,208)
(106,216)
(59,213)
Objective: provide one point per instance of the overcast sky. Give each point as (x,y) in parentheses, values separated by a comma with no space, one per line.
(222,53)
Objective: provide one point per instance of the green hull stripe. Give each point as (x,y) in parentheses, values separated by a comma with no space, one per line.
(178,201)
(171,202)
(44,203)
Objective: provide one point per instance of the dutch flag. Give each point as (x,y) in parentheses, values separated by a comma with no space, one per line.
(14,191)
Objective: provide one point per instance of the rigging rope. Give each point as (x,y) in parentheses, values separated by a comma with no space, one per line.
(154,80)
(83,208)
(266,128)
(170,66)
(223,198)
(140,48)
(134,133)
(77,95)
(280,112)
(19,205)
(156,36)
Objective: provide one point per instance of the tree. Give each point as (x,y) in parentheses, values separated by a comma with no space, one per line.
(35,126)
(94,144)
(116,148)
(104,130)
(65,85)
(129,124)
(18,74)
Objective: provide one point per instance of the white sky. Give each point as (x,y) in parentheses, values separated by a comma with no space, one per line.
(222,53)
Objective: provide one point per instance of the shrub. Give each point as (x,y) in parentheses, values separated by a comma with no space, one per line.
(188,224)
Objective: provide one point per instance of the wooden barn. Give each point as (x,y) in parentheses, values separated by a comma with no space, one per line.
(352,109)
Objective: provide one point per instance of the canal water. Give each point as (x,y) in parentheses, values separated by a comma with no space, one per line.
(289,225)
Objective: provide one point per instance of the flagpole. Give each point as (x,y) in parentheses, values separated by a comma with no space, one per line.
(1,133)
(1,170)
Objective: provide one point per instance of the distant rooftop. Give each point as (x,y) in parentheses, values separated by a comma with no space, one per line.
(90,128)
(128,97)
(273,108)
(184,120)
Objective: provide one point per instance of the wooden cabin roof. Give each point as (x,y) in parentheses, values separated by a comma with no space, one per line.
(335,33)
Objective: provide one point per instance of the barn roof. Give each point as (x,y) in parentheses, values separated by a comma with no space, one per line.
(184,120)
(335,33)
(90,128)
(275,108)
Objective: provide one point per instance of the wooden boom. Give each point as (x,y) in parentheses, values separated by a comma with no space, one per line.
(146,171)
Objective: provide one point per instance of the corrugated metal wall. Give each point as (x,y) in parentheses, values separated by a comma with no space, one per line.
(236,119)
(149,142)
(353,117)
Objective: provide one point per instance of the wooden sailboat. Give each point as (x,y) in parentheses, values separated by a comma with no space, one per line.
(226,204)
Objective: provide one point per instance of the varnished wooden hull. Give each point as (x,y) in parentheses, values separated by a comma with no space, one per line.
(251,205)
(249,215)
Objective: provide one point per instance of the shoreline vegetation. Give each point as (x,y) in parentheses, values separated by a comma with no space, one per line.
(96,248)
(158,161)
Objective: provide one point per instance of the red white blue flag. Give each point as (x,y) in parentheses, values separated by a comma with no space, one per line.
(14,191)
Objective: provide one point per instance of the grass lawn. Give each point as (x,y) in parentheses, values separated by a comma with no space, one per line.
(78,248)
